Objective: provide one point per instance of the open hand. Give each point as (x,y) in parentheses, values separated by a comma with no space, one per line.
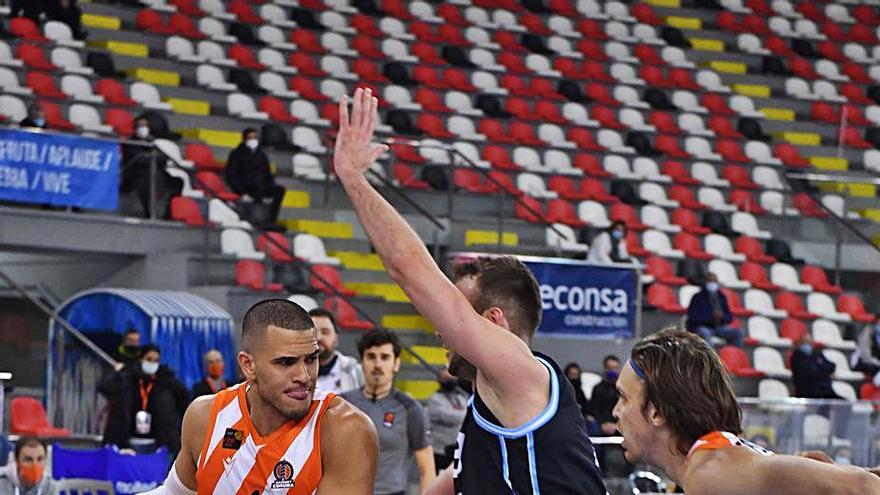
(354,152)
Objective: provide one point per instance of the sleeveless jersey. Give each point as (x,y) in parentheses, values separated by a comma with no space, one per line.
(236,460)
(721,440)
(551,454)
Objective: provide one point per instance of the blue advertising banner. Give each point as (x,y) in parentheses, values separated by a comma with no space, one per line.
(128,473)
(61,170)
(584,300)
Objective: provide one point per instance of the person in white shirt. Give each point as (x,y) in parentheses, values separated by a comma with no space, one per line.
(610,245)
(337,372)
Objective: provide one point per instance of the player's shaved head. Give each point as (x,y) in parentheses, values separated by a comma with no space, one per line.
(279,313)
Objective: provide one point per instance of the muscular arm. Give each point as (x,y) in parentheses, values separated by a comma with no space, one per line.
(502,358)
(349,451)
(778,474)
(182,478)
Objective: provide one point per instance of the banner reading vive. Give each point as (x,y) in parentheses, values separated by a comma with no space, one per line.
(61,170)
(128,473)
(584,300)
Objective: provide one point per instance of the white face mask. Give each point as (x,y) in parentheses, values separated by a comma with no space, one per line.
(142,132)
(252,143)
(149,367)
(712,286)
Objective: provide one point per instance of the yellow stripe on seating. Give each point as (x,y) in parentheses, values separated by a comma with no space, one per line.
(125,48)
(189,107)
(728,67)
(225,139)
(858,190)
(418,389)
(101,21)
(827,187)
(670,4)
(389,292)
(758,90)
(707,44)
(489,237)
(829,163)
(803,138)
(431,354)
(407,322)
(784,114)
(296,199)
(320,228)
(353,260)
(871,213)
(159,77)
(684,22)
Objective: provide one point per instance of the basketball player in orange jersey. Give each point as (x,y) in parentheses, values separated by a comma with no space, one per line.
(677,411)
(275,433)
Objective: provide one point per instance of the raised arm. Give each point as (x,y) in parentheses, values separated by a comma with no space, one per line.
(349,449)
(500,356)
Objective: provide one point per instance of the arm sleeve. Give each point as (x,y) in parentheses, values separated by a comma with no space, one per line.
(416,426)
(725,308)
(599,249)
(232,166)
(111,384)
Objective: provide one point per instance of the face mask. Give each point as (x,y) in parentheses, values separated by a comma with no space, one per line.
(142,132)
(611,375)
(712,287)
(806,348)
(149,367)
(842,459)
(618,235)
(215,370)
(30,474)
(40,121)
(131,350)
(252,144)
(449,385)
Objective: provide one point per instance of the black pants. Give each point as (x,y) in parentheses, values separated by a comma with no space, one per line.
(269,191)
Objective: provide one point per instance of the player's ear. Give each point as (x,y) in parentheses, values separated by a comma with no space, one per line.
(397,364)
(247,363)
(496,316)
(655,417)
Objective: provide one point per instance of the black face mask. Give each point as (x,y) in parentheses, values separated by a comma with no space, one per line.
(449,385)
(131,350)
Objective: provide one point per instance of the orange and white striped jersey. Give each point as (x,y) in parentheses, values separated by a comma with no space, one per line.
(236,460)
(716,440)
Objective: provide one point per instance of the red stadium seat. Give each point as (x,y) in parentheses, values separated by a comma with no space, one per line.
(679,173)
(524,134)
(545,88)
(520,108)
(407,154)
(853,139)
(278,110)
(28,417)
(114,93)
(687,220)
(584,139)
(669,146)
(305,64)
(778,46)
(452,35)
(592,29)
(811,11)
(824,112)
(367,47)
(606,117)
(794,305)
(184,26)
(151,21)
(682,79)
(498,156)
(366,26)
(808,206)
(513,62)
(34,57)
(736,307)
(369,71)
(833,31)
(427,53)
(645,14)
(752,249)
(730,22)
(738,177)
(600,93)
(865,14)
(716,104)
(855,95)
(760,7)
(566,188)
(187,210)
(654,76)
(452,15)
(663,298)
(252,274)
(569,68)
(44,85)
(662,271)
(737,362)
(563,7)
(731,151)
(596,191)
(691,246)
(685,197)
(245,57)
(590,165)
(723,127)
(209,181)
(425,32)
(534,213)
(745,201)
(860,33)
(434,126)
(54,119)
(430,101)
(757,276)
(307,41)
(469,180)
(593,53)
(561,211)
(515,84)
(188,7)
(548,111)
(755,24)
(852,304)
(325,278)
(430,77)
(508,41)
(397,9)
(792,328)
(818,279)
(405,176)
(26,29)
(534,24)
(307,89)
(501,181)
(121,121)
(458,79)
(831,51)
(346,314)
(634,245)
(854,116)
(626,214)
(202,156)
(648,55)
(664,122)
(790,155)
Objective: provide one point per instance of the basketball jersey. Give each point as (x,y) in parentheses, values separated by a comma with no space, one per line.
(551,454)
(235,459)
(721,440)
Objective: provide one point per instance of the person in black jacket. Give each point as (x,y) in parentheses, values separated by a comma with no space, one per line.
(36,118)
(604,395)
(811,371)
(213,381)
(146,405)
(573,372)
(709,314)
(129,350)
(248,173)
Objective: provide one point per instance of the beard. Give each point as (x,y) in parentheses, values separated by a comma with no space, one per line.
(325,354)
(460,367)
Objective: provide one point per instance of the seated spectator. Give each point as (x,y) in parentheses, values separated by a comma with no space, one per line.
(610,245)
(248,173)
(129,349)
(147,403)
(867,355)
(68,12)
(811,371)
(573,372)
(604,396)
(26,475)
(337,372)
(138,157)
(213,381)
(35,117)
(709,314)
(446,411)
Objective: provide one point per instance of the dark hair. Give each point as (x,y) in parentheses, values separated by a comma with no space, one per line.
(279,313)
(610,357)
(247,131)
(130,331)
(570,366)
(377,337)
(505,282)
(149,348)
(687,383)
(618,223)
(323,313)
(27,441)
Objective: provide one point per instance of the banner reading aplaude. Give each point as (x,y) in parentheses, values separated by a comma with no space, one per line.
(584,300)
(61,170)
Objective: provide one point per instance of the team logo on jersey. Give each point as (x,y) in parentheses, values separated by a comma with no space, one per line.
(232,439)
(283,472)
(388,421)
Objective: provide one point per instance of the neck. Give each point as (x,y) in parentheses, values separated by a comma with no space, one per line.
(670,461)
(377,390)
(265,417)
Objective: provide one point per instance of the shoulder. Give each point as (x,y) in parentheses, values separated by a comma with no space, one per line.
(708,471)
(406,400)
(344,420)
(198,414)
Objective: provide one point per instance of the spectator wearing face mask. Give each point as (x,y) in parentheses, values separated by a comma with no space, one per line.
(811,371)
(147,403)
(248,173)
(138,157)
(604,395)
(213,381)
(609,246)
(36,118)
(867,355)
(446,411)
(709,314)
(573,373)
(26,475)
(129,350)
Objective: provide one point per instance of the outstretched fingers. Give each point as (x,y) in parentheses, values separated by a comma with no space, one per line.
(372,116)
(344,124)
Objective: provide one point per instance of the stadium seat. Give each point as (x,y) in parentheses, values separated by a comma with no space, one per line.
(827,333)
(745,224)
(662,271)
(751,247)
(786,276)
(405,177)
(793,305)
(26,29)
(737,362)
(745,201)
(663,298)
(212,182)
(346,314)
(792,329)
(326,279)
(755,275)
(771,389)
(736,307)
(561,211)
(760,302)
(276,245)
(252,274)
(852,304)
(808,206)
(187,210)
(44,85)
(842,370)
(770,362)
(690,245)
(687,220)
(626,214)
(823,306)
(54,118)
(816,277)
(762,331)
(28,417)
